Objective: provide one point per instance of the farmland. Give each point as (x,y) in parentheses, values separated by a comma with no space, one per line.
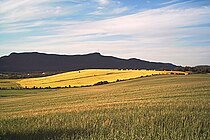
(9,83)
(156,107)
(87,77)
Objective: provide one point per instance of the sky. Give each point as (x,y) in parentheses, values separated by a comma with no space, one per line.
(175,31)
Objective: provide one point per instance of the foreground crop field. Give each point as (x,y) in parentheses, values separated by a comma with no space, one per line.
(157,107)
(87,77)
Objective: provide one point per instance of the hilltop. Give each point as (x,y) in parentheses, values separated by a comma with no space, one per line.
(34,61)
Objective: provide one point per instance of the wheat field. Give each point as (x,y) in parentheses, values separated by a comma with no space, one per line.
(156,107)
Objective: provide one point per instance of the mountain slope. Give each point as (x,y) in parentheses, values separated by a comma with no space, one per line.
(28,62)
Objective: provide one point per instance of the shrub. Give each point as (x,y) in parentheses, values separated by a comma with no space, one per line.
(48,87)
(101,83)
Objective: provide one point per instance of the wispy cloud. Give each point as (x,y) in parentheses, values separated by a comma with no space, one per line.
(170,33)
(169,2)
(103,2)
(120,10)
(12,11)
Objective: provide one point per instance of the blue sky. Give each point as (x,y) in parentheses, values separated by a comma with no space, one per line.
(176,31)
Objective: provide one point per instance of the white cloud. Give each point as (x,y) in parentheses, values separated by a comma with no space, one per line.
(103,2)
(155,34)
(152,23)
(14,5)
(170,2)
(120,10)
(12,11)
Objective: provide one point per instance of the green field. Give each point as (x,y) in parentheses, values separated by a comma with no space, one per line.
(157,107)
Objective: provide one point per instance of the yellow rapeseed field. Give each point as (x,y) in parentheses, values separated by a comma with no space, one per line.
(88,77)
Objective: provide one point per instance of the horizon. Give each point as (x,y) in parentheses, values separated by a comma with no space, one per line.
(168,31)
(101,55)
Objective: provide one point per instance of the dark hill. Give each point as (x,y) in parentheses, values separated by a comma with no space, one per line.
(30,62)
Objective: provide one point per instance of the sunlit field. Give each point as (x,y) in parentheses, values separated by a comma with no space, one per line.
(156,107)
(104,69)
(9,83)
(88,77)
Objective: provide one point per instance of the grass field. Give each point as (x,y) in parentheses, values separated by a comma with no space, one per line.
(157,107)
(87,77)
